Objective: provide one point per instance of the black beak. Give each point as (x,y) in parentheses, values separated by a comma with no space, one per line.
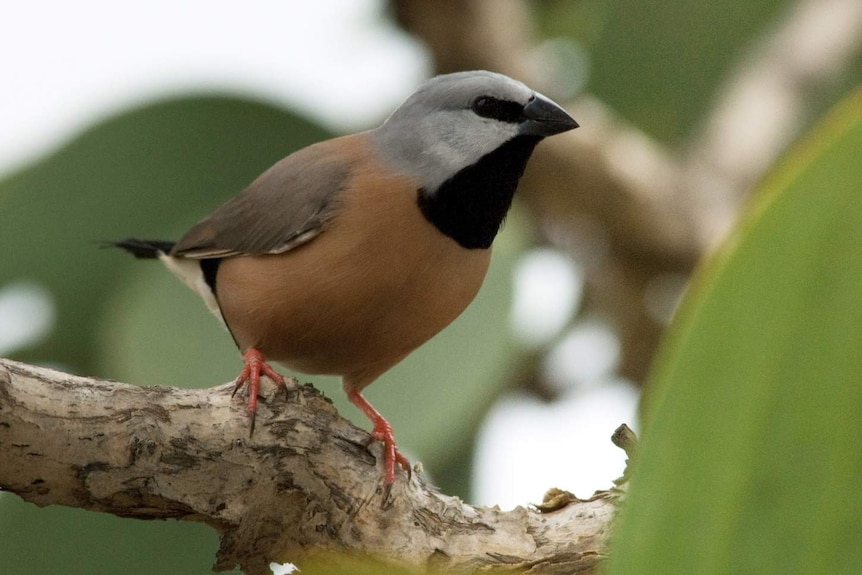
(544,117)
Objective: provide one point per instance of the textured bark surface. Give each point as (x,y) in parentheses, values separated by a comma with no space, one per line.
(304,486)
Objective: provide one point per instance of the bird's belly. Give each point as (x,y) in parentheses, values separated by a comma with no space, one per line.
(348,323)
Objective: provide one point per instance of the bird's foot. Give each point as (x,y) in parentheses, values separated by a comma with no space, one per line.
(255,366)
(383,433)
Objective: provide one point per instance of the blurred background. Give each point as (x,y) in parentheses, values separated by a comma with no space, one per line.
(121,121)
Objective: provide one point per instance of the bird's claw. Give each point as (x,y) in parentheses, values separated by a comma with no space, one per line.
(383,433)
(255,366)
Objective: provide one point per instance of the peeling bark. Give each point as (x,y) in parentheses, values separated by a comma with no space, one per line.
(304,486)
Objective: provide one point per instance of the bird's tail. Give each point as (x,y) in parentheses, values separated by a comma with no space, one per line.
(143,249)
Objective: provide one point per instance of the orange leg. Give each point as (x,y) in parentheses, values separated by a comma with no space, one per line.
(383,433)
(254,367)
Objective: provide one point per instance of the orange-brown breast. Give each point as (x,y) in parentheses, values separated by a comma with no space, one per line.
(377,283)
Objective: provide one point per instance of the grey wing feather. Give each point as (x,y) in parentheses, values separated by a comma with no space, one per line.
(284,207)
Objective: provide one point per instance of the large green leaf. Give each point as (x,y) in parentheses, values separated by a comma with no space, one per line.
(752,451)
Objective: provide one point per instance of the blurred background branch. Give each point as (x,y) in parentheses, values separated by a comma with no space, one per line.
(654,210)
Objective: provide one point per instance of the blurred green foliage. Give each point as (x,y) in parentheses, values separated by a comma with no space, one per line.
(659,63)
(752,449)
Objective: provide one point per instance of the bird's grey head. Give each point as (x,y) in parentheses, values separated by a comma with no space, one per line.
(454,120)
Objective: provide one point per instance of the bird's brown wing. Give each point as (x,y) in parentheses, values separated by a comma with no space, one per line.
(283,208)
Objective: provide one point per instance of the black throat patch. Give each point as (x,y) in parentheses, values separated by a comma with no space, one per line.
(470,206)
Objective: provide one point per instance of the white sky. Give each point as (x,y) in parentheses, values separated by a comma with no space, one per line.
(64,65)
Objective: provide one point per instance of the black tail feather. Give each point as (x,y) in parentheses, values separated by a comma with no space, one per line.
(143,249)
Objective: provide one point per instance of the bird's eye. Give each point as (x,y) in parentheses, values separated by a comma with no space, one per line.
(497,109)
(485,106)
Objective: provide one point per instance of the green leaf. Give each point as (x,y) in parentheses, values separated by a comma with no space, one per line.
(752,451)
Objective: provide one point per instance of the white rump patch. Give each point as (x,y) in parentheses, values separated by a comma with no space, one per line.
(190,272)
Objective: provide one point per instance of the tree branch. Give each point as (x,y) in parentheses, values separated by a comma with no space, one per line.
(304,486)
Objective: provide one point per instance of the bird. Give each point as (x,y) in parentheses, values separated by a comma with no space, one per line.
(348,254)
